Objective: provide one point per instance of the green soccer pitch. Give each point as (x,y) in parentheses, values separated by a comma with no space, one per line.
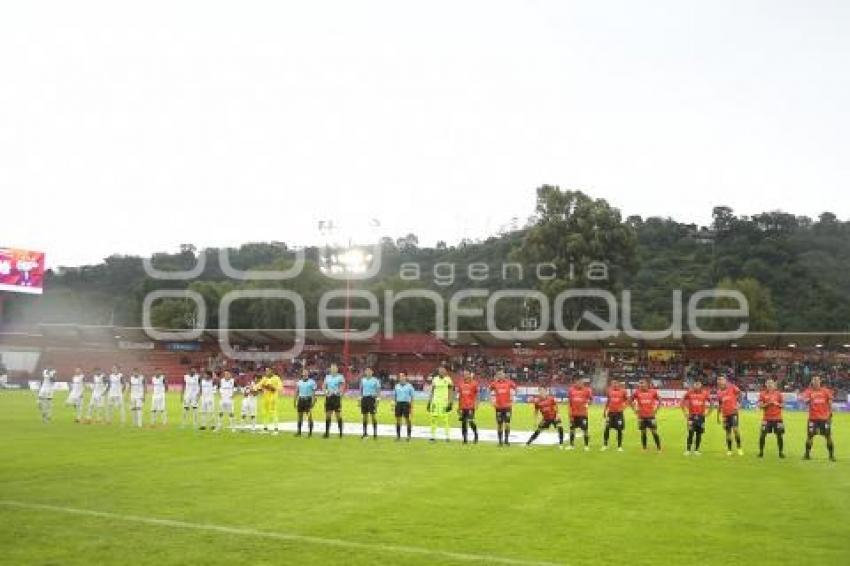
(107,494)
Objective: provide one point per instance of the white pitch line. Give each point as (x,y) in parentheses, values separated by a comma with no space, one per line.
(486,435)
(386,548)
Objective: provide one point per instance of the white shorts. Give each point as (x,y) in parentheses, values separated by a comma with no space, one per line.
(207,405)
(75,400)
(136,403)
(249,407)
(115,399)
(190,399)
(97,401)
(225,406)
(158,403)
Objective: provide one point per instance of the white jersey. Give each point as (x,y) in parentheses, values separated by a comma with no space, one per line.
(46,389)
(137,387)
(158,397)
(115,389)
(226,388)
(249,402)
(77,385)
(190,381)
(99,387)
(207,389)
(158,382)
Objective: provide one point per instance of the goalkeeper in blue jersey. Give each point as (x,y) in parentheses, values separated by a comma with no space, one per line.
(440,402)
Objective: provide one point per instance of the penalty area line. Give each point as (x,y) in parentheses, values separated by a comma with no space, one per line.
(289,537)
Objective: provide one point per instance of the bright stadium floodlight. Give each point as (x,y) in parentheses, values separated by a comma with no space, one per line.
(350,251)
(354,261)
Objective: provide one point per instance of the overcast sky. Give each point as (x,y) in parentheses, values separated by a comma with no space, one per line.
(134,129)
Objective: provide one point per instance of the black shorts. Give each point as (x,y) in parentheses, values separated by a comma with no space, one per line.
(772,427)
(368,405)
(696,423)
(546,423)
(730,422)
(819,427)
(578,422)
(645,423)
(305,404)
(503,416)
(402,409)
(468,415)
(616,421)
(333,403)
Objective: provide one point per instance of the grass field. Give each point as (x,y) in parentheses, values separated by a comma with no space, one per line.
(98,494)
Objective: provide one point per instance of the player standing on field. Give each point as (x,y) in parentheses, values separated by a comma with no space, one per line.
(270,385)
(45,394)
(191,391)
(771,404)
(645,402)
(696,406)
(249,403)
(226,388)
(728,399)
(403,397)
(137,396)
(580,397)
(370,390)
(618,400)
(547,406)
(159,384)
(440,402)
(97,402)
(502,391)
(75,397)
(467,397)
(305,399)
(334,390)
(207,400)
(819,401)
(115,394)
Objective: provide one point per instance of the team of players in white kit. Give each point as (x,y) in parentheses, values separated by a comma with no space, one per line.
(202,395)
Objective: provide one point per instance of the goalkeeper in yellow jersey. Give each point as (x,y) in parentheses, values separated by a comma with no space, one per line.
(440,402)
(270,385)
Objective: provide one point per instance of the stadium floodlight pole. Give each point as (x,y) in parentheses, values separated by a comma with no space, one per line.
(349,262)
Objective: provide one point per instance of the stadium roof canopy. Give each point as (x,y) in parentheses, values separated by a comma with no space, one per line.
(752,340)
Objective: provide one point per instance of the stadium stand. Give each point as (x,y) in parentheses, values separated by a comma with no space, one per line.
(792,360)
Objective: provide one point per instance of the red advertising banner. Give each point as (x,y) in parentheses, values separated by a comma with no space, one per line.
(21,271)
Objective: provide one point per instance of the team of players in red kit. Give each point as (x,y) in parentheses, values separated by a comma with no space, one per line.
(696,405)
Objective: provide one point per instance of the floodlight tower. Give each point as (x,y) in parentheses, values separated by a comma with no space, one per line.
(345,256)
